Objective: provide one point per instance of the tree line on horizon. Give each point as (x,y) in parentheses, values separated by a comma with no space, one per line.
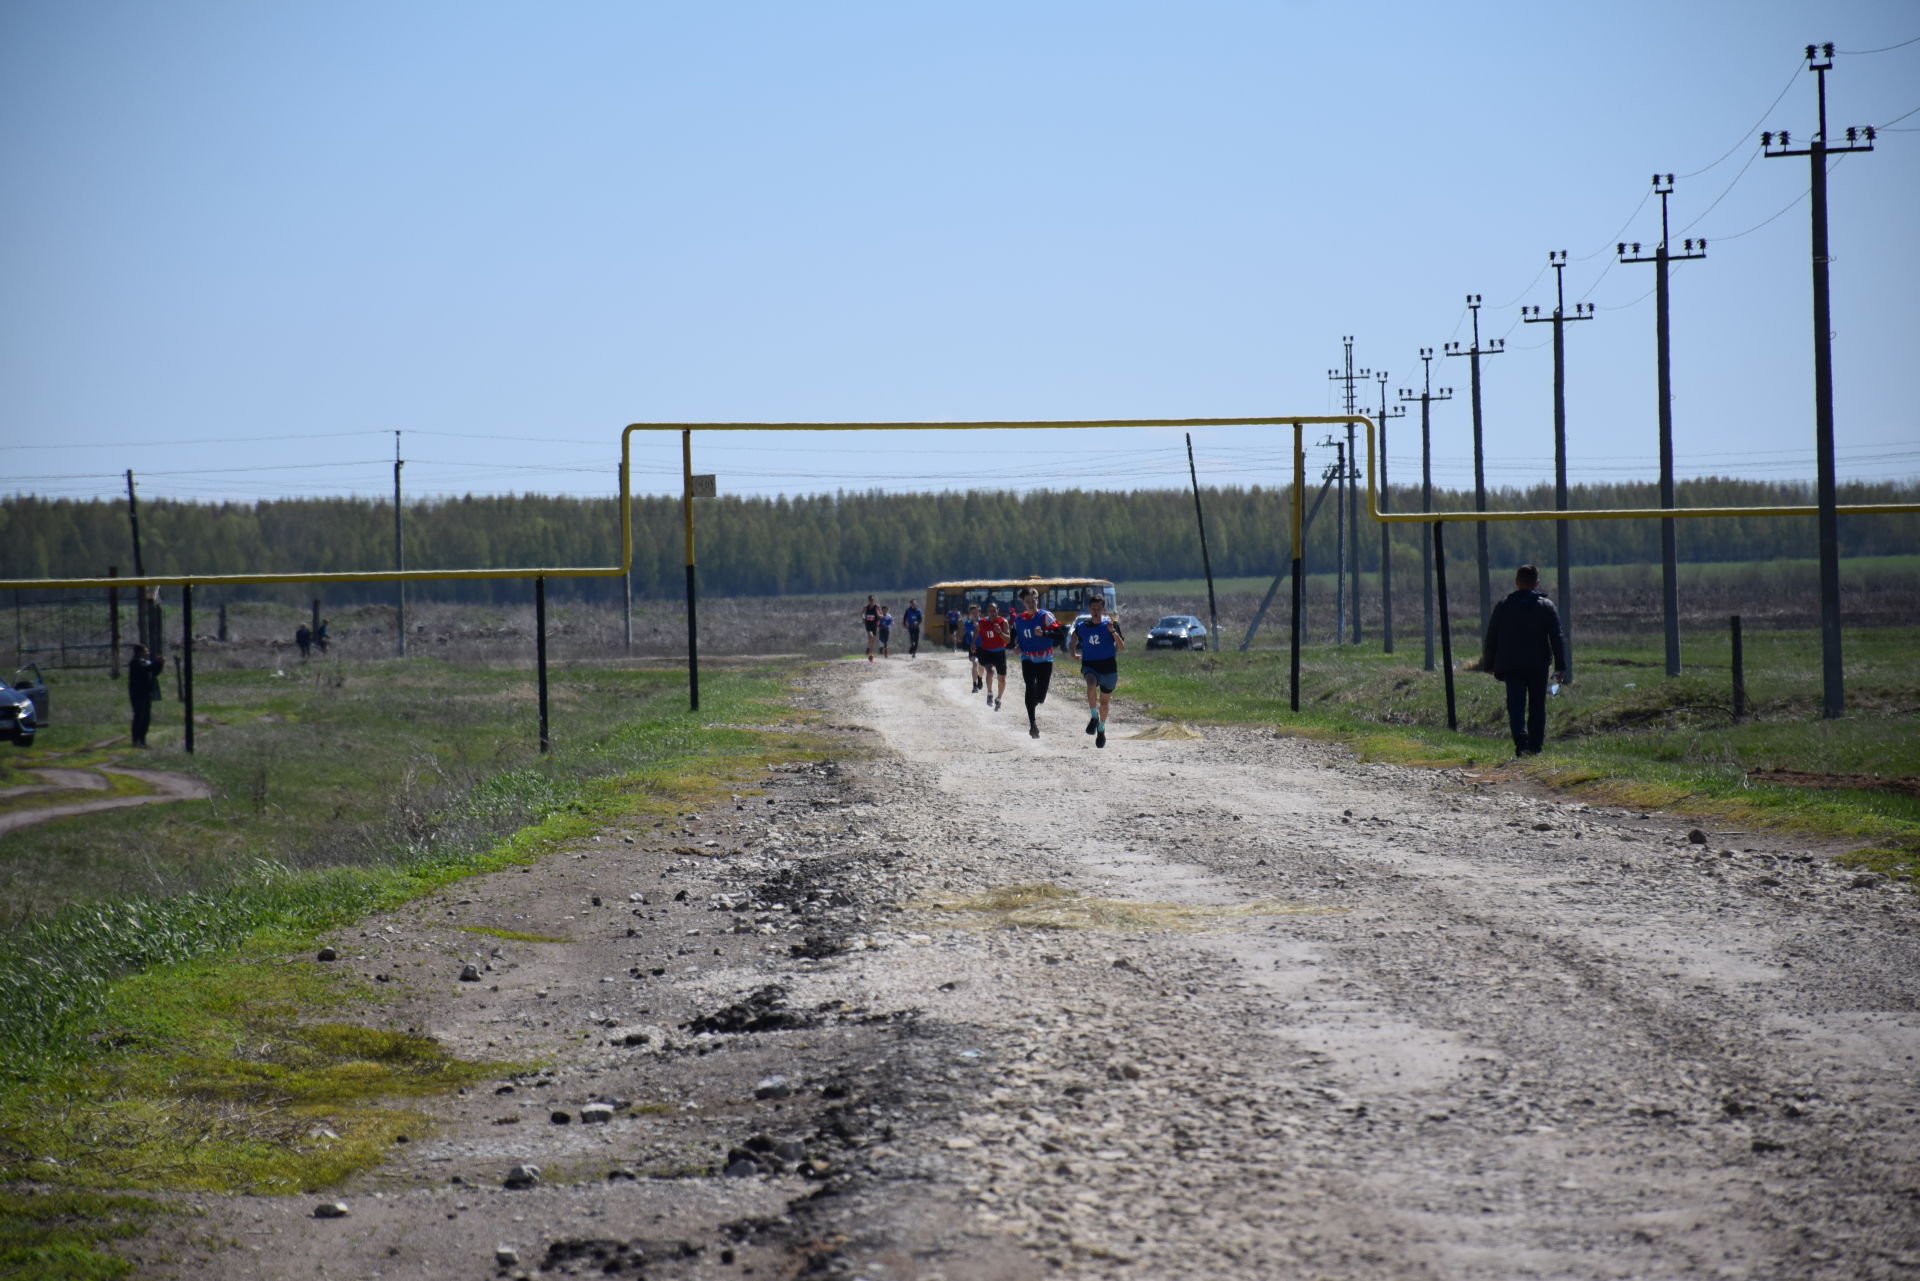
(873,541)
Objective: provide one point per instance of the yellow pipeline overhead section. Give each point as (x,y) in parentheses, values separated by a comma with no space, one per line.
(1605,513)
(626,500)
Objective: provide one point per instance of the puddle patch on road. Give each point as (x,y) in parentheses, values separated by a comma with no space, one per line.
(1053,907)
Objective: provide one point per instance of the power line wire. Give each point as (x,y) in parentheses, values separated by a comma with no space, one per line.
(1854,53)
(1791,81)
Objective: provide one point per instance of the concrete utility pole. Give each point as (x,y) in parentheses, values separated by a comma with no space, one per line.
(1562,555)
(1669,558)
(1349,493)
(1336,472)
(1473,353)
(399,554)
(1426,398)
(1386,543)
(1834,694)
(1206,560)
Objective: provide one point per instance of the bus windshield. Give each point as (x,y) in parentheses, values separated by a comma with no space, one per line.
(1064,597)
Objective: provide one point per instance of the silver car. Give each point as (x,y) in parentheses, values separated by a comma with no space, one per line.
(1177,631)
(23,706)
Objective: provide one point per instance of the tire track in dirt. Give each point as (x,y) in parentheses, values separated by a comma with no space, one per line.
(166,785)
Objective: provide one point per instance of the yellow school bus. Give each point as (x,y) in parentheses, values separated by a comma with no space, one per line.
(1066,597)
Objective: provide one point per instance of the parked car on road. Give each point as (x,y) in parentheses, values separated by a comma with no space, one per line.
(1177,631)
(23,706)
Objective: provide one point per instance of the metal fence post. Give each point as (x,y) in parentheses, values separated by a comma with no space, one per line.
(540,651)
(186,662)
(1739,673)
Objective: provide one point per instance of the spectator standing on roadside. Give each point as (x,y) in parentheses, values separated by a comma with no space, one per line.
(1097,639)
(991,638)
(970,638)
(143,685)
(912,619)
(320,636)
(870,619)
(1037,632)
(303,637)
(1523,636)
(886,630)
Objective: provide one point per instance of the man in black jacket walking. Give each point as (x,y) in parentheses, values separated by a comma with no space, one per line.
(1523,636)
(143,682)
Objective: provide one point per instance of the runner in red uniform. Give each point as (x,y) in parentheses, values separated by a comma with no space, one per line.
(994,633)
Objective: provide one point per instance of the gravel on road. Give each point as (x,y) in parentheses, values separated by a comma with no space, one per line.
(966,1004)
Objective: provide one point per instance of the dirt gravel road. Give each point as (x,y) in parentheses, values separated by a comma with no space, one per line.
(980,1006)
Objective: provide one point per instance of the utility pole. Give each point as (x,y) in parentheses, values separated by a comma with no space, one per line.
(1473,353)
(1426,398)
(399,554)
(1206,561)
(1669,559)
(1562,555)
(139,562)
(626,579)
(1386,543)
(1349,495)
(1834,696)
(1336,472)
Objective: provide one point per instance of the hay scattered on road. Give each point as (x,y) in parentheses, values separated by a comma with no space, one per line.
(1166,729)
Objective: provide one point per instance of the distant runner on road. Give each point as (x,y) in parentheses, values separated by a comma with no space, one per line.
(953,625)
(994,634)
(1097,639)
(870,618)
(1037,631)
(970,638)
(886,630)
(912,619)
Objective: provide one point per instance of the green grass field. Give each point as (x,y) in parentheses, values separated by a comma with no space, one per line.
(1622,729)
(151,1036)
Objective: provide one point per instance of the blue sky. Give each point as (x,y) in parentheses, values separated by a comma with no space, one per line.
(245,242)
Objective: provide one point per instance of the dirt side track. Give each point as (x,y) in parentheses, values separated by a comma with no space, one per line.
(1280,1015)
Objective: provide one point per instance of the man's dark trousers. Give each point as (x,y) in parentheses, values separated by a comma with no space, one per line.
(1527,707)
(142,717)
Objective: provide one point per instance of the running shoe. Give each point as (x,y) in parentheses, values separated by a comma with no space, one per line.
(996,704)
(1100,739)
(1033,729)
(1093,724)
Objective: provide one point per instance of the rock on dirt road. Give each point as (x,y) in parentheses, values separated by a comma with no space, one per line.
(964,1004)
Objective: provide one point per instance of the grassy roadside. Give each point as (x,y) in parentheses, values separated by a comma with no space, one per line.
(1622,732)
(152,1034)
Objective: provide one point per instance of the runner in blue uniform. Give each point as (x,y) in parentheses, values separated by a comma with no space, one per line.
(953,626)
(1097,639)
(1036,631)
(912,619)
